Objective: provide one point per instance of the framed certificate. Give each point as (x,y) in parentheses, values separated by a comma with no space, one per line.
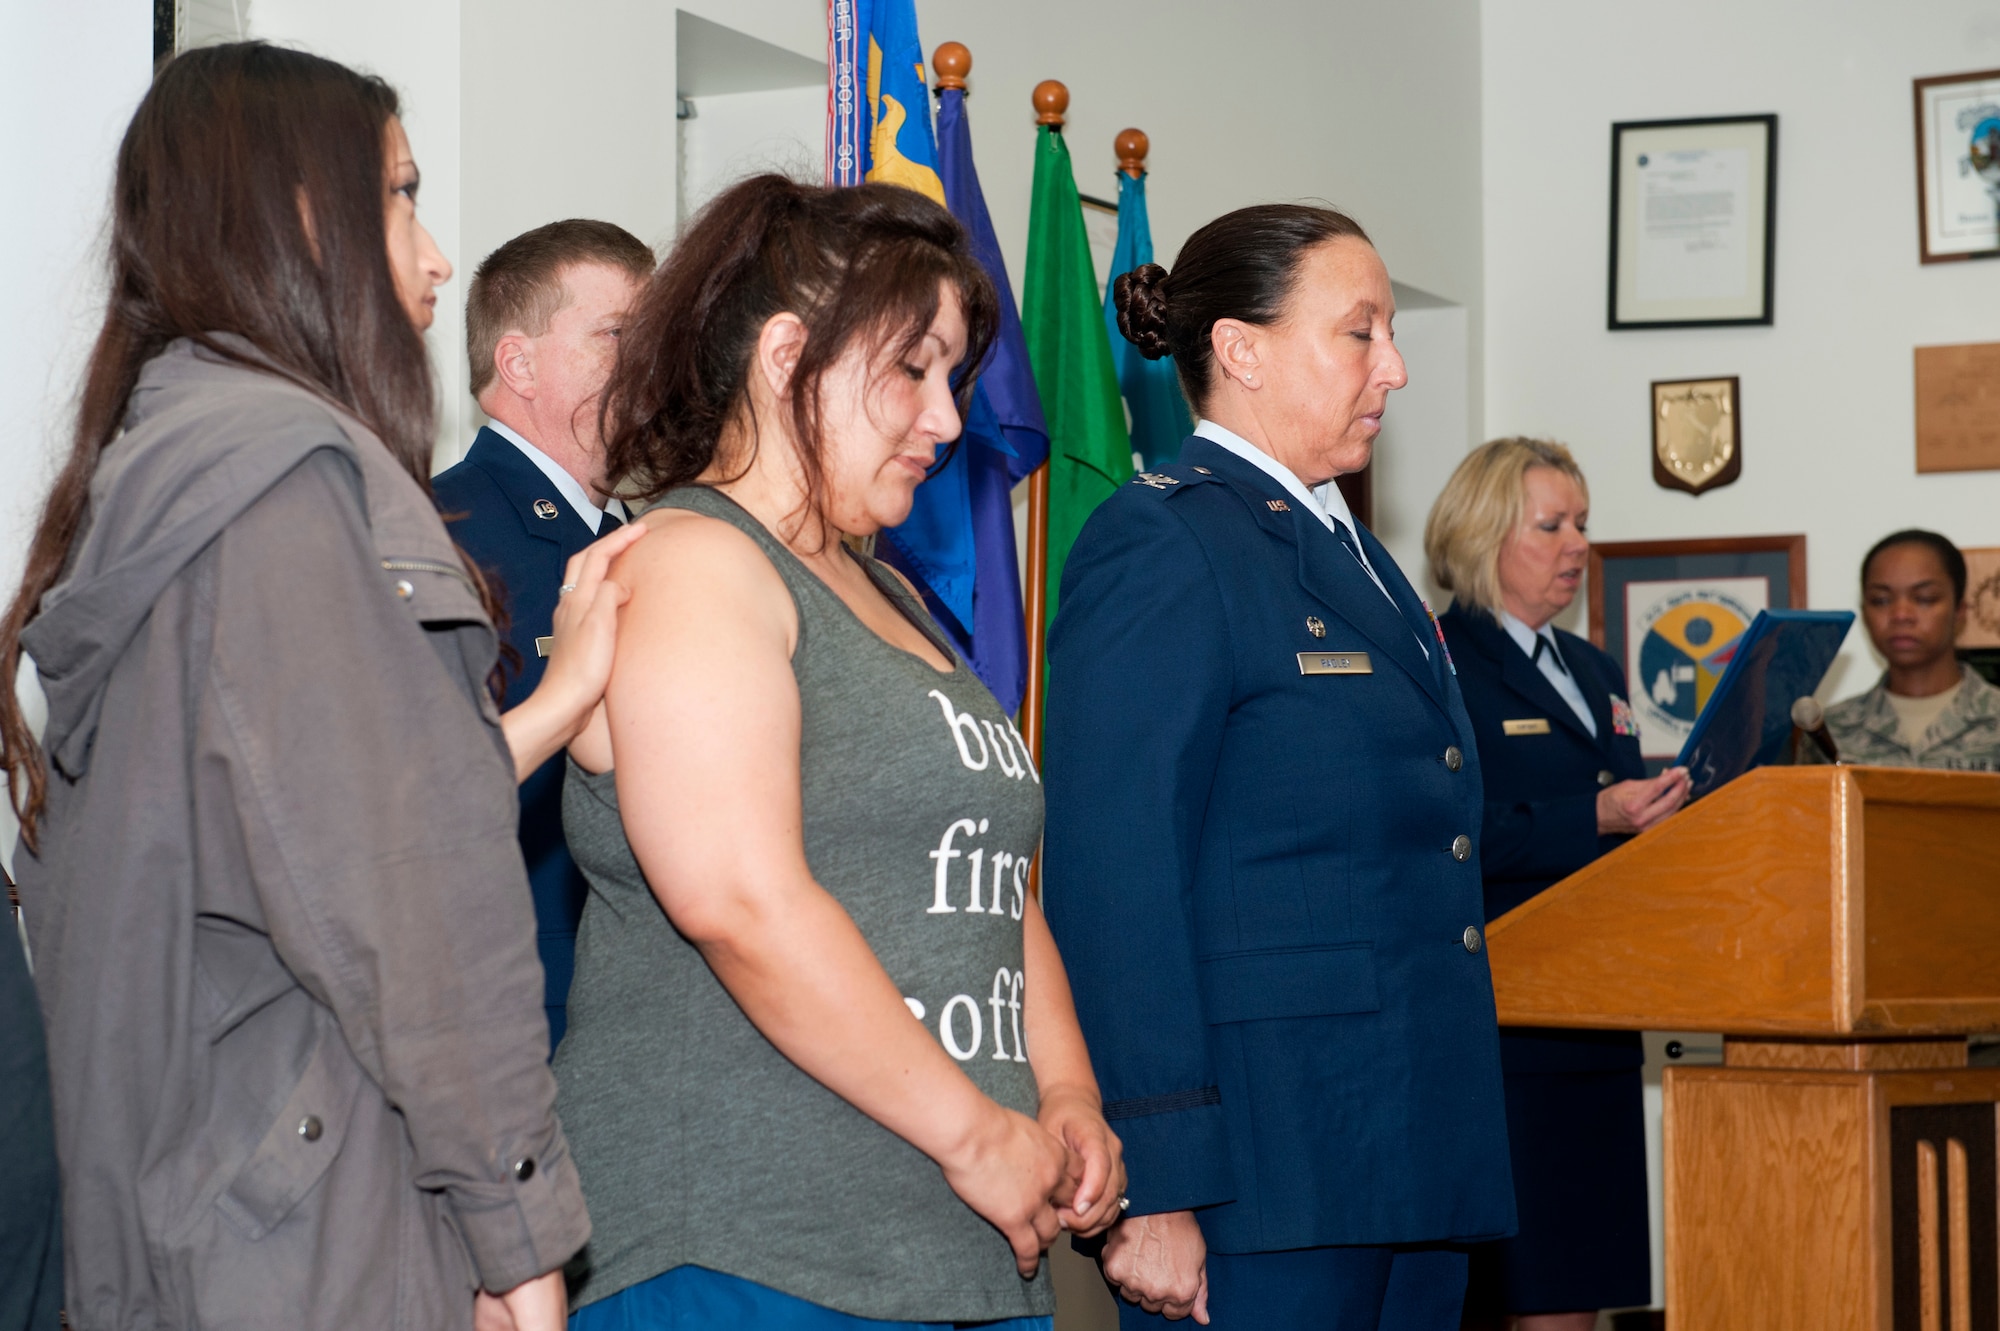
(1670,613)
(1693,222)
(1958,166)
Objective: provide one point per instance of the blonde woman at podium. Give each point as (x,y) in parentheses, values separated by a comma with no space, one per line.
(1564,783)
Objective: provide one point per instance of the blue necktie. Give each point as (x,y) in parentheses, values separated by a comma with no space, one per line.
(1347,539)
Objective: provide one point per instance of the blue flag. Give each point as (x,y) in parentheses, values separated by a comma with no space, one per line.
(874,53)
(1151,388)
(958,544)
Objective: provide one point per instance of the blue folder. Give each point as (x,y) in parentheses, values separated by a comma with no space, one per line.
(1781,657)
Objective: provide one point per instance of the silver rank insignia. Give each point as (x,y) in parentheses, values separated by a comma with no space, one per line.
(545,509)
(1154,479)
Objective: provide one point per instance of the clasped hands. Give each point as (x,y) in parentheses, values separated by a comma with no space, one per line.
(1159,1262)
(1033,1178)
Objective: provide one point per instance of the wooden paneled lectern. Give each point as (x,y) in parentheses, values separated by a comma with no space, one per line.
(1841,927)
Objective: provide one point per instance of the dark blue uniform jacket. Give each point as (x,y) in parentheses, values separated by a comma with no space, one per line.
(1541,792)
(489,502)
(1250,872)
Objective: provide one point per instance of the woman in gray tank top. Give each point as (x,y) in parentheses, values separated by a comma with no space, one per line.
(823,1070)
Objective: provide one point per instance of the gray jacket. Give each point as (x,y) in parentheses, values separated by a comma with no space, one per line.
(283,936)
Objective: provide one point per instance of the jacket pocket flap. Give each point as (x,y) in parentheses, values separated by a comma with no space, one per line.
(1297,982)
(438,591)
(300,1144)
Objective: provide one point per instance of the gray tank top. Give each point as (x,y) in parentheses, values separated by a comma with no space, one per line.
(699,1142)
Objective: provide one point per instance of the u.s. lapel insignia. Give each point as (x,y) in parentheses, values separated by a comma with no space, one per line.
(546,509)
(1154,479)
(1278,505)
(1622,720)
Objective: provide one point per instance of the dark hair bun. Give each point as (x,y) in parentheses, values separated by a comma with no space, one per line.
(1142,309)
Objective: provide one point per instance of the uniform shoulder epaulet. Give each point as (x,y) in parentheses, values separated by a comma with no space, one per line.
(1171,479)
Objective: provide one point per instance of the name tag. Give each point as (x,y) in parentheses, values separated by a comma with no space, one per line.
(1534,725)
(542,646)
(1335,663)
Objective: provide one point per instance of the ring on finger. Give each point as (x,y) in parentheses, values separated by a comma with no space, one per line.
(1124,1203)
(565,589)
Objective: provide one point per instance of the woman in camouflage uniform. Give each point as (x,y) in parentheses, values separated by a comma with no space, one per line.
(1927,710)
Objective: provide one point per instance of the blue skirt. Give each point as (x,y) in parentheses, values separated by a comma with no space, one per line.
(693,1298)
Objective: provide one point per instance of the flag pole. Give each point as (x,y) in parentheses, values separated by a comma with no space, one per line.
(1036,599)
(1051,100)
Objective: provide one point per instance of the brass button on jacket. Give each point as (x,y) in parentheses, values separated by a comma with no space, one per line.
(1472,940)
(1461,847)
(1454,758)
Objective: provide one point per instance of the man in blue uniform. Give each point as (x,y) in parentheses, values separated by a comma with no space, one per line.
(541,328)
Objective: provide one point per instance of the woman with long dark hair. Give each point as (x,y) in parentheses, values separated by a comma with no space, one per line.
(283,934)
(822,1065)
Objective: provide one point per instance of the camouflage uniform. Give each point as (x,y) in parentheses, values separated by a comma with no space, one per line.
(1965,737)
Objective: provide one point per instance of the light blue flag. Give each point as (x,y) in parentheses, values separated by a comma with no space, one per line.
(1151,388)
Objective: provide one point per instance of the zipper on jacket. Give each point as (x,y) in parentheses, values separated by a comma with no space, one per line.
(429,566)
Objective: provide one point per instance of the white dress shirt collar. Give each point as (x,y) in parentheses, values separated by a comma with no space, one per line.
(1276,470)
(1324,502)
(571,489)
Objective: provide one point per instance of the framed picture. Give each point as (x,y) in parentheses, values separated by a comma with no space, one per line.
(1670,613)
(1958,166)
(1697,436)
(1693,221)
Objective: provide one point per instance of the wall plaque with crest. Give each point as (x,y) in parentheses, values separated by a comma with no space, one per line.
(1697,435)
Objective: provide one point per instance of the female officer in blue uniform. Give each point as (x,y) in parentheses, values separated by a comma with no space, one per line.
(1559,755)
(1263,828)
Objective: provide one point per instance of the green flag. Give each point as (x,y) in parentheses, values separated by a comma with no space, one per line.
(1090,453)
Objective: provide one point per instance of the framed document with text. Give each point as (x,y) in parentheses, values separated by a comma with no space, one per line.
(1958,166)
(1693,222)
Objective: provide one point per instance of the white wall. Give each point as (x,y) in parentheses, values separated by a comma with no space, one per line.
(1826,392)
(568,111)
(415,45)
(1374,108)
(70,76)
(1424,433)
(741,134)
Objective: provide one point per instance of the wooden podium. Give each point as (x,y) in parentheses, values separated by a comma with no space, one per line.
(1841,927)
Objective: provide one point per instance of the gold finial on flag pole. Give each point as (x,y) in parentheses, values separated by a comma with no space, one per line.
(1132,145)
(951,62)
(1051,100)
